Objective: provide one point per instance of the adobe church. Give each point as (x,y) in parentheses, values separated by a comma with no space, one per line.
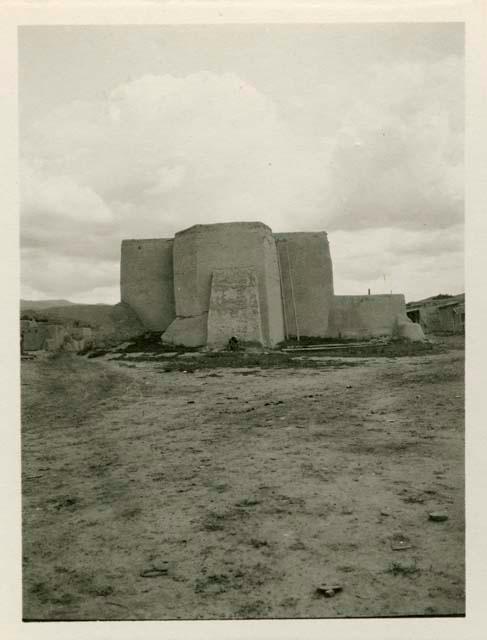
(212,282)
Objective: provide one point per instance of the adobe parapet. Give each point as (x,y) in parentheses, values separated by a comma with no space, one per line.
(234,227)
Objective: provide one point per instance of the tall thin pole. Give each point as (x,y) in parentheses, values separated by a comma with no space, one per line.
(283,301)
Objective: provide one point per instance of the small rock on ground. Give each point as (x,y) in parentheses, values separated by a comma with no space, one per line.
(438,516)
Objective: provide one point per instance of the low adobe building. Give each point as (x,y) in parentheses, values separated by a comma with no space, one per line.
(439,314)
(38,335)
(213,282)
(77,327)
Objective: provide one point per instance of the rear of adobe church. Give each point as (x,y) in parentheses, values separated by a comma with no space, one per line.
(217,281)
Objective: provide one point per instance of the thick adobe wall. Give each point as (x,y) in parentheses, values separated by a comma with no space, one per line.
(273,303)
(190,331)
(234,307)
(307,282)
(203,249)
(367,316)
(146,281)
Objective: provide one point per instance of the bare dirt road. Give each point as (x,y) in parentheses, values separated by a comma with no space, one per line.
(236,492)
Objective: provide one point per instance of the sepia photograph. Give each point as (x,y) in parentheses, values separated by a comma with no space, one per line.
(242,321)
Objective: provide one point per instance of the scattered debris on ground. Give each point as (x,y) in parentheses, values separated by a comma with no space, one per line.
(328,590)
(255,489)
(438,516)
(403,568)
(400,542)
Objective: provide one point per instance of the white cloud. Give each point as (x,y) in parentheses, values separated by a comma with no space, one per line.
(167,179)
(62,198)
(416,263)
(65,276)
(211,143)
(398,156)
(160,153)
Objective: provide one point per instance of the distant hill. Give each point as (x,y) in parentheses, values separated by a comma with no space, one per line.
(35,305)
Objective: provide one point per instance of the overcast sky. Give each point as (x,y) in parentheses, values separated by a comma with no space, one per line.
(131,132)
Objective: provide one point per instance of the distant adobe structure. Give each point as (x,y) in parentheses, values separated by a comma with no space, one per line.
(439,314)
(238,279)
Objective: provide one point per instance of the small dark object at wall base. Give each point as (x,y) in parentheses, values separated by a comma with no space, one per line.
(153,573)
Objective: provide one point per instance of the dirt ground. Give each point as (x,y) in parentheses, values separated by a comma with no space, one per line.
(235,492)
